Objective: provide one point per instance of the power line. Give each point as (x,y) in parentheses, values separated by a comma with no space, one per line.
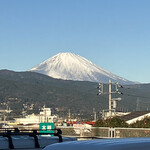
(131,94)
(136,96)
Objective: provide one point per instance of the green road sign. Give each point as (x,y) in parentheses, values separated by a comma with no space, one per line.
(47,128)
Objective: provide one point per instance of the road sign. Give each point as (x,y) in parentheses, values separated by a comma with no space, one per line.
(47,128)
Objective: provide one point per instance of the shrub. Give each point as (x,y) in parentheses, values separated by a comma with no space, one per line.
(111,122)
(145,123)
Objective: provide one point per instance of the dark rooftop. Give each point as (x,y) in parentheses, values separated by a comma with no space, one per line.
(134,115)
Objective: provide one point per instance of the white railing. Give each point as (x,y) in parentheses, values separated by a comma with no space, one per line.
(105,132)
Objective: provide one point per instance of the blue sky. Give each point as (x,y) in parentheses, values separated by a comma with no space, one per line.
(114,34)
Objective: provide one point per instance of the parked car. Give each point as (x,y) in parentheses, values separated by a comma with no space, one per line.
(104,144)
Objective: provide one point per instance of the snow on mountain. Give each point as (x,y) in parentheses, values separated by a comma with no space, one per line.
(69,66)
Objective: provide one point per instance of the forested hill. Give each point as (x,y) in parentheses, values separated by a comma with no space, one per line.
(17,88)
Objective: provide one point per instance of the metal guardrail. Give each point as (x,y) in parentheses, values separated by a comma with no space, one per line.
(131,132)
(105,132)
(8,133)
(84,133)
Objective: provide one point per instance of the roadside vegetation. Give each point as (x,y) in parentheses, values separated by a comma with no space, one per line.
(117,122)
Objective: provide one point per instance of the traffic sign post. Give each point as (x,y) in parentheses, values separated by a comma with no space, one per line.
(47,128)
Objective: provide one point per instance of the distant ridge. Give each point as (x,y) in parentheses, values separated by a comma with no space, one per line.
(69,66)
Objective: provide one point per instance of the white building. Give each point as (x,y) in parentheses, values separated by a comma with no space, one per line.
(44,116)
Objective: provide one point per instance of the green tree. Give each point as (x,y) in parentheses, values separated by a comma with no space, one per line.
(111,122)
(99,123)
(144,123)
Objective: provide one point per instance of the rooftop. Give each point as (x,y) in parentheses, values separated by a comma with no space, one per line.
(134,115)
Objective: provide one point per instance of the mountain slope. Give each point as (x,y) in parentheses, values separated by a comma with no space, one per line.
(78,96)
(69,66)
(30,87)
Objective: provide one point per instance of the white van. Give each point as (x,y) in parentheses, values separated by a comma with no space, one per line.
(104,144)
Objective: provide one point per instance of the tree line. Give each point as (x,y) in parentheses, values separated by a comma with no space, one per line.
(117,122)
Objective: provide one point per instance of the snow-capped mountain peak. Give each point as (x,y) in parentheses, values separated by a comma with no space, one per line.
(69,66)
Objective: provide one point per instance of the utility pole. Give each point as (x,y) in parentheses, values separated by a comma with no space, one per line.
(110,92)
(138,104)
(94,114)
(69,116)
(110,112)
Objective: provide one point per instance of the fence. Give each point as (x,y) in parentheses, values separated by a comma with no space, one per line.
(132,132)
(105,132)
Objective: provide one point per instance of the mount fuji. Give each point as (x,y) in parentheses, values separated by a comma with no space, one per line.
(69,66)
